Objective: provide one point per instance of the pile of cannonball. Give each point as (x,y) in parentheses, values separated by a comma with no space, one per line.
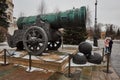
(85,55)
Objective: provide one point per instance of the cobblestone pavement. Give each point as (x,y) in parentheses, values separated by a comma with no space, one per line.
(115,55)
(11,72)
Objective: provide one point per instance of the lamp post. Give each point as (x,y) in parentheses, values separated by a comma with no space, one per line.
(95,26)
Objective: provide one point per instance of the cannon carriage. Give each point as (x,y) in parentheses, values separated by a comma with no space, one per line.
(39,33)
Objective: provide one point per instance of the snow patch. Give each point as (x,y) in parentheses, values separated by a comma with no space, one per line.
(79,65)
(2,62)
(28,69)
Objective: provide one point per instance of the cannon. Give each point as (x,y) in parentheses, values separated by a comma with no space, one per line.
(41,32)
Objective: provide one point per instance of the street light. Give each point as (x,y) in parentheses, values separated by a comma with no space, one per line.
(95,36)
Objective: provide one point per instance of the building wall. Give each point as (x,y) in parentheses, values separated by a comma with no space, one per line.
(10,16)
(10,10)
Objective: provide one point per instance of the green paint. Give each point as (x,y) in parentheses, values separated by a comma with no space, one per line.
(69,18)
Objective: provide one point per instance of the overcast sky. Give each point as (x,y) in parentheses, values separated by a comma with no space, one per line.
(108,10)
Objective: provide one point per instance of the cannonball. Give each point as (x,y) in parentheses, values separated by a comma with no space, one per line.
(79,58)
(96,58)
(85,48)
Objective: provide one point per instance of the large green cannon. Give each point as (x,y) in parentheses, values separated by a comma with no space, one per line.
(39,33)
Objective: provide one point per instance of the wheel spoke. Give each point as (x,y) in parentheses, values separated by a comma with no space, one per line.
(54,45)
(28,41)
(40,40)
(34,48)
(33,33)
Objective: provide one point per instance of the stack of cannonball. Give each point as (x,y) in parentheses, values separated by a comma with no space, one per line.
(85,54)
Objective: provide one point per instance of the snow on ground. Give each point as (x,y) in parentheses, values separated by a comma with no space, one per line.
(28,69)
(4,45)
(89,41)
(1,62)
(79,65)
(31,69)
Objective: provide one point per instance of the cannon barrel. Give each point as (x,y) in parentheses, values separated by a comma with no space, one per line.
(69,18)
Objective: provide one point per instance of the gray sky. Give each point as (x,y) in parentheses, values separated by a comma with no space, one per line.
(108,10)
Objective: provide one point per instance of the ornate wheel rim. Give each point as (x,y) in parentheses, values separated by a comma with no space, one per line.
(35,40)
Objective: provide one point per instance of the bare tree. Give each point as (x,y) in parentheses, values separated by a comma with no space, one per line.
(89,22)
(42,8)
(22,14)
(56,10)
(98,30)
(110,31)
(90,31)
(118,34)
(88,19)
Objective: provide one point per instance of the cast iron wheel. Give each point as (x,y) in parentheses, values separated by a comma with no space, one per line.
(35,40)
(54,45)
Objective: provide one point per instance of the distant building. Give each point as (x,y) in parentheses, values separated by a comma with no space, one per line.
(10,11)
(11,19)
(90,31)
